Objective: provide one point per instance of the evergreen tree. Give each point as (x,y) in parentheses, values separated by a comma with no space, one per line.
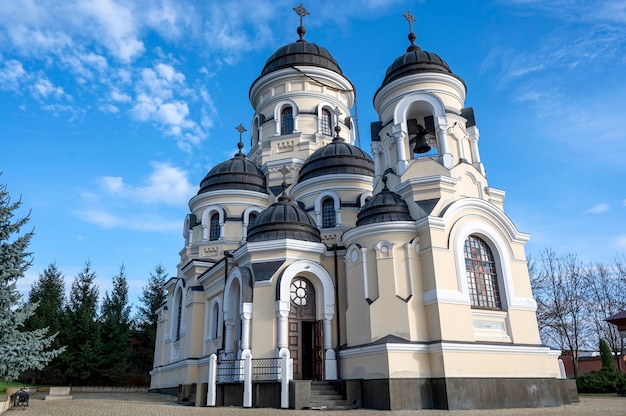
(116,331)
(49,293)
(152,298)
(606,357)
(20,349)
(82,329)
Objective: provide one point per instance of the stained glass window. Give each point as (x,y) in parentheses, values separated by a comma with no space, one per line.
(286,121)
(481,272)
(328,213)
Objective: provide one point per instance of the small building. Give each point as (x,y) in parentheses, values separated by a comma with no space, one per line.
(396,280)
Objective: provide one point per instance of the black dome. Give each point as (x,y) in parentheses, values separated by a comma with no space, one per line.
(384,206)
(236,173)
(283,219)
(337,157)
(416,60)
(298,53)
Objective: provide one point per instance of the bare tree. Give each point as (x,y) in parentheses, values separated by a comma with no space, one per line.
(562,290)
(607,300)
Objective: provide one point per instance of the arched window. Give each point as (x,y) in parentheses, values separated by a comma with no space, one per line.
(326,124)
(286,121)
(214,227)
(215,321)
(482,277)
(328,213)
(179,314)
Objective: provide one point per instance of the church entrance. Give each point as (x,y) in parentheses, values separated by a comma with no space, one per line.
(305,333)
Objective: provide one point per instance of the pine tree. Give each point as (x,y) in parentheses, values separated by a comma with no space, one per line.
(606,357)
(49,293)
(20,349)
(82,329)
(153,297)
(116,331)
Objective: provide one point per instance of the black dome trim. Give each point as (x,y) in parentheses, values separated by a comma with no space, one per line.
(385,206)
(300,53)
(281,220)
(337,157)
(237,173)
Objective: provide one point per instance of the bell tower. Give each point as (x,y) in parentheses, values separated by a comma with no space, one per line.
(426,140)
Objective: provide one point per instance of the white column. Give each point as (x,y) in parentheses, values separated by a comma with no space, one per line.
(285,375)
(210,395)
(205,232)
(247,378)
(246,316)
(282,312)
(330,360)
(229,341)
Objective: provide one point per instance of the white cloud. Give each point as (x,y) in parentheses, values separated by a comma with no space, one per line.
(166,184)
(144,206)
(12,74)
(600,208)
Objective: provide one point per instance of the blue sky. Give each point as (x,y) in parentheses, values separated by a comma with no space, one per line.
(111,112)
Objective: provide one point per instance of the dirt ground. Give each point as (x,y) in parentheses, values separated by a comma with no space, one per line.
(148,404)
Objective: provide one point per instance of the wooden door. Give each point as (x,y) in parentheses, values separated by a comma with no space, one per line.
(302,332)
(318,348)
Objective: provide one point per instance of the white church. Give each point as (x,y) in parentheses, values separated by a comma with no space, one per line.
(313,275)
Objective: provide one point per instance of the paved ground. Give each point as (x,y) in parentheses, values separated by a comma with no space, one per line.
(147,404)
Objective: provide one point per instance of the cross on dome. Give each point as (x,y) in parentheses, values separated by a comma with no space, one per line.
(301,12)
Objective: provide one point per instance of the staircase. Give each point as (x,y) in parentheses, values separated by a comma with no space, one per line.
(324,396)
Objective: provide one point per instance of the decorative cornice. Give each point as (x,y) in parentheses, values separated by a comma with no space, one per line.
(385,228)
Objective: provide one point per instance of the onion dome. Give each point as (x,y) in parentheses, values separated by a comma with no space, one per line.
(283,219)
(416,60)
(383,207)
(300,52)
(337,157)
(237,173)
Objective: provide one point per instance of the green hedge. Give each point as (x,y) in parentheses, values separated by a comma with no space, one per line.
(601,381)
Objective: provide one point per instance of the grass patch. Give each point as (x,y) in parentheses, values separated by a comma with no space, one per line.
(4,385)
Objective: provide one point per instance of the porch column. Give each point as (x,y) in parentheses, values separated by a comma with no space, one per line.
(229,340)
(247,378)
(246,316)
(282,313)
(210,395)
(330,358)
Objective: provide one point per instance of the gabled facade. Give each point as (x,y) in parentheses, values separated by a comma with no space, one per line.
(399,277)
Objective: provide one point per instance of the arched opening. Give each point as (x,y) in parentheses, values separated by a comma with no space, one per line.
(305,332)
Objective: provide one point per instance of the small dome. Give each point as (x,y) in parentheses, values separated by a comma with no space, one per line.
(283,219)
(298,53)
(416,60)
(335,158)
(383,207)
(236,173)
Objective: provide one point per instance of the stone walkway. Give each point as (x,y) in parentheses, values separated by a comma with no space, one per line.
(147,404)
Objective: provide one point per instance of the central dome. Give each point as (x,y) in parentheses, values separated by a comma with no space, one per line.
(299,53)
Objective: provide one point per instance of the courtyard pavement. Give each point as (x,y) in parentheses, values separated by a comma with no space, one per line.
(148,404)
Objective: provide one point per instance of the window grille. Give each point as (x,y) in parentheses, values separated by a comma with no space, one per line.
(286,121)
(214,227)
(326,126)
(481,273)
(328,213)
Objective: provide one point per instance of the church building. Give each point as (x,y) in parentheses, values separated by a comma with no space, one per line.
(314,275)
